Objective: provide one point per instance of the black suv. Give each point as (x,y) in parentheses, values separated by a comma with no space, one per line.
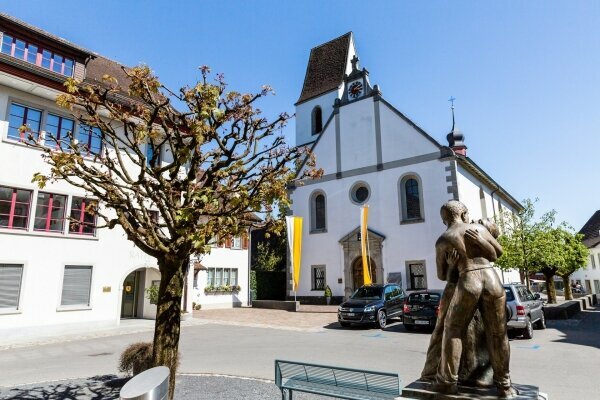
(372,304)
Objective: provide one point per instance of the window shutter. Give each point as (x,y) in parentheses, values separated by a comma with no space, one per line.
(228,242)
(76,286)
(10,285)
(244,243)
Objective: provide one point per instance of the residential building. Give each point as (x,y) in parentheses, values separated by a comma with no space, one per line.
(221,278)
(589,277)
(56,266)
(373,154)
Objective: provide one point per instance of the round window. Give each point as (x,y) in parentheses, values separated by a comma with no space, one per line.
(360,193)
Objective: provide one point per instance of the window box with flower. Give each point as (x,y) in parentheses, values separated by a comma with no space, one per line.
(222,289)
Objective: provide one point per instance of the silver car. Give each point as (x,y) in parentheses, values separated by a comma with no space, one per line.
(524,311)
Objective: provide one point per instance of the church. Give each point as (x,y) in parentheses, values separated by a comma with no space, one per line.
(372,154)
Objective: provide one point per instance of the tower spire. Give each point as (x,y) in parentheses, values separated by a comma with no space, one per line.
(451,100)
(455,137)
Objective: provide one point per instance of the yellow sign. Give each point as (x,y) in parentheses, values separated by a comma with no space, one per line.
(294,231)
(106,289)
(364,244)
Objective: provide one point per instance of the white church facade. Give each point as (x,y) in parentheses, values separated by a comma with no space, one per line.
(372,154)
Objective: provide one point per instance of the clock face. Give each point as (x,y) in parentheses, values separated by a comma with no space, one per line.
(355,89)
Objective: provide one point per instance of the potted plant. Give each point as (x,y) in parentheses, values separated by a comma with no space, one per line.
(328,294)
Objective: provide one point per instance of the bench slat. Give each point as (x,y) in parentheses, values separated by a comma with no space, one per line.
(339,382)
(339,392)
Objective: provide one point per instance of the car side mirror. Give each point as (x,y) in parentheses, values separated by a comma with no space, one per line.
(537,296)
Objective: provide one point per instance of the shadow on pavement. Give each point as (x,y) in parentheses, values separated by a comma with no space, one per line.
(581,330)
(97,387)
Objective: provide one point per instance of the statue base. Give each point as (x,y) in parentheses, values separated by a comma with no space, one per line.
(422,390)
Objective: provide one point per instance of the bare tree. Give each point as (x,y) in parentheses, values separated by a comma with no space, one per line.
(202,158)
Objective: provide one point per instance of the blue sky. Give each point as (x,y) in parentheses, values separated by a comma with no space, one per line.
(525,74)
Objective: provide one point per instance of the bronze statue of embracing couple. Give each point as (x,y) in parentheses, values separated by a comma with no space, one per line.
(470,334)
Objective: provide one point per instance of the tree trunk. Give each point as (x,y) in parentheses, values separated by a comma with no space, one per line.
(522,275)
(168,315)
(568,292)
(550,289)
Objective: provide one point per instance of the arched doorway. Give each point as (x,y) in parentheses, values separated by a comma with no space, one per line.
(134,301)
(358,278)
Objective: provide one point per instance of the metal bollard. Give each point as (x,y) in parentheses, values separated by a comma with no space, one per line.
(152,384)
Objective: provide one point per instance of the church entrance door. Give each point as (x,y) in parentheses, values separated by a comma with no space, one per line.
(358,278)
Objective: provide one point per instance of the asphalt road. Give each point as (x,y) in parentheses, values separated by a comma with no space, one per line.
(562,360)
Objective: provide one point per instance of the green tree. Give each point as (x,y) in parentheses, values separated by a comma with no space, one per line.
(537,245)
(549,256)
(267,259)
(519,235)
(575,256)
(204,169)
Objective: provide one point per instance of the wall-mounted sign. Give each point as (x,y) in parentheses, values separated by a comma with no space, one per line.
(106,289)
(395,277)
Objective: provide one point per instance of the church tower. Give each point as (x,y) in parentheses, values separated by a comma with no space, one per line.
(328,65)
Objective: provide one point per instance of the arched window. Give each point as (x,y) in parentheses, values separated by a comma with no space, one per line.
(318,212)
(317,120)
(411,198)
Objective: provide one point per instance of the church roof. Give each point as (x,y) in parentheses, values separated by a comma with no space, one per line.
(326,67)
(591,230)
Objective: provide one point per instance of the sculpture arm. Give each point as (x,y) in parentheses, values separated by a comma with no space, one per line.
(484,242)
(442,265)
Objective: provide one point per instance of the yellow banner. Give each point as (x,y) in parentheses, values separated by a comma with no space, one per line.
(294,231)
(364,243)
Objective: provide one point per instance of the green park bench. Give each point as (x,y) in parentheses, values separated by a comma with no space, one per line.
(342,383)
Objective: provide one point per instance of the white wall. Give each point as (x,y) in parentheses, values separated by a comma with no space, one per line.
(403,242)
(591,271)
(45,255)
(400,140)
(223,258)
(357,135)
(304,116)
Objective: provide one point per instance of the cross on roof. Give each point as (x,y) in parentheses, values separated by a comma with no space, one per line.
(451,100)
(354,61)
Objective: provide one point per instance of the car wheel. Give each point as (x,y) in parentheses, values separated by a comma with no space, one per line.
(528,331)
(409,328)
(381,319)
(541,324)
(344,324)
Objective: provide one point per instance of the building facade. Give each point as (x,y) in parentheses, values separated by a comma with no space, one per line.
(589,276)
(372,154)
(56,266)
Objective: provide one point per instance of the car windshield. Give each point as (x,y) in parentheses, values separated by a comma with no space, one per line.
(417,298)
(509,294)
(367,293)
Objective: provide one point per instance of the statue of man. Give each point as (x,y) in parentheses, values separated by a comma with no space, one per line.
(478,286)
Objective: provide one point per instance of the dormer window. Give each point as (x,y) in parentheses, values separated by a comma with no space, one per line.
(317,120)
(34,54)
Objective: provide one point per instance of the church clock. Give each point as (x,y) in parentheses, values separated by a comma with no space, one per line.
(355,90)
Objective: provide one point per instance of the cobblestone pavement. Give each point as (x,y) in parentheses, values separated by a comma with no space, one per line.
(188,387)
(308,319)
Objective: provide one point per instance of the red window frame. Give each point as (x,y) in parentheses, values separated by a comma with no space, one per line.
(49,209)
(78,214)
(38,57)
(13,204)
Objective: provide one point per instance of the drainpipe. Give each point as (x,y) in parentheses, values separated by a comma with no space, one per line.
(249,295)
(493,204)
(494,211)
